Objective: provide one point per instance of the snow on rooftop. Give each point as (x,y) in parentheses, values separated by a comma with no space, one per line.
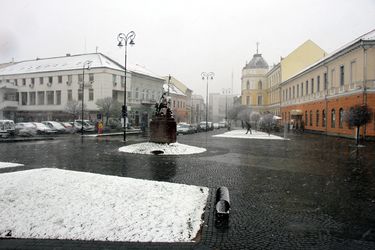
(241,134)
(61,204)
(167,149)
(173,89)
(10,165)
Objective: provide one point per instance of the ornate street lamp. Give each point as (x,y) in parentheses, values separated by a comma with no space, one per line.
(123,41)
(207,76)
(86,65)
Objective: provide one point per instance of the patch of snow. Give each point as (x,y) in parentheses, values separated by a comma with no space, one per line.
(168,149)
(10,165)
(255,135)
(61,204)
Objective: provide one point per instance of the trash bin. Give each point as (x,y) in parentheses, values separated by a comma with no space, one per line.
(222,202)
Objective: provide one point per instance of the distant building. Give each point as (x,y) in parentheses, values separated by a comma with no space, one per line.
(198,109)
(178,102)
(219,105)
(39,89)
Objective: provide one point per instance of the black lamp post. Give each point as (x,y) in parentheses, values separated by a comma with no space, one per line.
(86,65)
(207,76)
(123,41)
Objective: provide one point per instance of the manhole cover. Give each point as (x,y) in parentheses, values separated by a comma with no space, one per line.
(157,152)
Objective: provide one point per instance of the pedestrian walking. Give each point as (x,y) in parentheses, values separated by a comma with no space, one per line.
(248,126)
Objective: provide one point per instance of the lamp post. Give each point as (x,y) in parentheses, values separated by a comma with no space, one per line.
(123,41)
(86,65)
(226,92)
(207,76)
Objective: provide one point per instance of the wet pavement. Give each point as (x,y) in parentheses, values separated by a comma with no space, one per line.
(309,192)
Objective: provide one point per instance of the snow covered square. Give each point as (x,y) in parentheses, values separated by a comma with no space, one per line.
(10,165)
(241,133)
(166,149)
(62,204)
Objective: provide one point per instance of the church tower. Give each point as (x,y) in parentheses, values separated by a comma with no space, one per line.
(253,83)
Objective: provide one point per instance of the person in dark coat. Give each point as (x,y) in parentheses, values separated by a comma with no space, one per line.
(248,126)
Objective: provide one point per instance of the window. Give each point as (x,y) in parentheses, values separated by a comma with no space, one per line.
(306,119)
(50,79)
(325,81)
(301,88)
(342,82)
(260,85)
(15,82)
(324,119)
(247,84)
(91,94)
(50,98)
(24,82)
(260,100)
(32,98)
(307,87)
(80,77)
(70,78)
(91,77)
(353,76)
(311,118)
(332,77)
(297,90)
(32,81)
(143,94)
(59,79)
(318,84)
(341,117)
(294,92)
(58,97)
(247,100)
(290,93)
(317,118)
(147,94)
(122,81)
(333,118)
(312,85)
(70,95)
(24,98)
(114,78)
(41,80)
(79,94)
(136,93)
(40,97)
(114,95)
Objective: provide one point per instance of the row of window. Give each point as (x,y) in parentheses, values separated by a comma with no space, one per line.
(260,100)
(48,79)
(308,87)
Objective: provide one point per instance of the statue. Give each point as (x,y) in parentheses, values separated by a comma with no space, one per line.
(163,107)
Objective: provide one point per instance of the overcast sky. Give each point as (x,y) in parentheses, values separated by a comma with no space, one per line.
(181,38)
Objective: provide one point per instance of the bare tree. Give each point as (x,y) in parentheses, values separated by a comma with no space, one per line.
(254,118)
(74,108)
(108,107)
(358,116)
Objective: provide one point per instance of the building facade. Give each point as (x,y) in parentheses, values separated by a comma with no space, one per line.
(319,95)
(219,106)
(178,103)
(40,89)
(198,109)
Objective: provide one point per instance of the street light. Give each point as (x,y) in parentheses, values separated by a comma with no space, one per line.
(226,92)
(123,41)
(207,76)
(86,65)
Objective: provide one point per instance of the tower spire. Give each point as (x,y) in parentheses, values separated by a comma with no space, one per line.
(257,47)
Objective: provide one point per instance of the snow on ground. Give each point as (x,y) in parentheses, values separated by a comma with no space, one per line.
(255,135)
(10,165)
(168,149)
(61,204)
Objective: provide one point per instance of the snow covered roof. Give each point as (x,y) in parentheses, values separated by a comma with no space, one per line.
(70,62)
(173,89)
(257,62)
(370,36)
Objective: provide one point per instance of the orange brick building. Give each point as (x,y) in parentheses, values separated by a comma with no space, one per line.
(319,95)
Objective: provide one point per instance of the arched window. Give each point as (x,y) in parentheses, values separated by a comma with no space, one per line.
(317,118)
(248,84)
(333,118)
(311,118)
(306,119)
(260,85)
(136,93)
(324,119)
(341,117)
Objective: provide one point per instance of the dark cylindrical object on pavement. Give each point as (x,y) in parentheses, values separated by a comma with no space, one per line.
(222,202)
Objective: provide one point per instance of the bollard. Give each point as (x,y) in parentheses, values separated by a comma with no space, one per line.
(222,202)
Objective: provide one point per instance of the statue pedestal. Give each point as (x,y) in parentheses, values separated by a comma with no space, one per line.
(163,130)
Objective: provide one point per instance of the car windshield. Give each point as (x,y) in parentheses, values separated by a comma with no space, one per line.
(187,124)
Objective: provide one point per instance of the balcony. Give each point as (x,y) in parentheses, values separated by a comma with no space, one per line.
(8,104)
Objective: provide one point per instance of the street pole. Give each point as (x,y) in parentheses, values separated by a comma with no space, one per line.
(207,76)
(122,38)
(85,64)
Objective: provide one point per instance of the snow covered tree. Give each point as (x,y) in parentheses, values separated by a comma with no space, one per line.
(74,108)
(109,107)
(254,118)
(267,122)
(358,116)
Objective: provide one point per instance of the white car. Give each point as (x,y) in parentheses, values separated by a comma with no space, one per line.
(7,127)
(87,125)
(55,126)
(43,129)
(25,129)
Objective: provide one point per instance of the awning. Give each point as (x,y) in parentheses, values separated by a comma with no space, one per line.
(296,112)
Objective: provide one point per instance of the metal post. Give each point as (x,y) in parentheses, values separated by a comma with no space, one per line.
(207,76)
(83,87)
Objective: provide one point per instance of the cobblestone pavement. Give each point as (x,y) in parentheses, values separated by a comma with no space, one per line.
(309,192)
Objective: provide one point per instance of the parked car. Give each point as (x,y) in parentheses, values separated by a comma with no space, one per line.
(87,125)
(222,124)
(203,125)
(184,128)
(55,126)
(69,127)
(25,129)
(7,128)
(43,129)
(216,125)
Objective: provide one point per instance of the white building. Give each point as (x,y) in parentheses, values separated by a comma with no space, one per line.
(39,89)
(198,109)
(219,105)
